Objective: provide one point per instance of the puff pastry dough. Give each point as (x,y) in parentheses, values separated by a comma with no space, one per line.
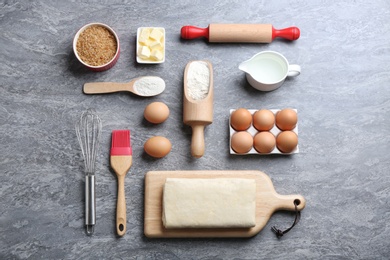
(209,203)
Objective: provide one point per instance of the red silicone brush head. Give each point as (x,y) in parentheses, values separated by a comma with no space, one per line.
(120,143)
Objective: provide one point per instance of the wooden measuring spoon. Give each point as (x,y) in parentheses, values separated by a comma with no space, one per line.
(143,86)
(198,113)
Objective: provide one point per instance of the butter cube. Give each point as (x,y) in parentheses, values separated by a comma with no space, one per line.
(156,34)
(155,45)
(147,42)
(156,55)
(144,36)
(144,52)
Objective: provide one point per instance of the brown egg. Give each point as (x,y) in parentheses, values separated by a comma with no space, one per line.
(286,141)
(242,142)
(264,142)
(156,112)
(286,119)
(263,120)
(157,146)
(241,119)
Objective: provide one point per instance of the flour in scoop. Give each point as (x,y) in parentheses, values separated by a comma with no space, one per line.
(149,86)
(198,80)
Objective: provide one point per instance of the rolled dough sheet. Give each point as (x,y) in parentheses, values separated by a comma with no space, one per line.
(209,203)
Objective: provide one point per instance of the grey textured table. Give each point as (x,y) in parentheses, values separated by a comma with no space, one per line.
(342,98)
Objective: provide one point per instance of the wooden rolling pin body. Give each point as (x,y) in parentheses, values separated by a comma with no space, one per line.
(257,33)
(250,33)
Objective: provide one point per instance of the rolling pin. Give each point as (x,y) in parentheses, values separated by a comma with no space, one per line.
(255,33)
(197,113)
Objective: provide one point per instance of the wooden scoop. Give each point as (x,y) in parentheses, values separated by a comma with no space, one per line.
(143,86)
(198,113)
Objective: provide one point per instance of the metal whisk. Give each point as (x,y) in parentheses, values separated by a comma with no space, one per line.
(88,130)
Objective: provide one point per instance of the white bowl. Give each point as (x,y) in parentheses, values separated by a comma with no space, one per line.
(143,61)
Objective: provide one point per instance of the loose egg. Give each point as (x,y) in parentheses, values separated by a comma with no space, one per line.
(264,142)
(156,112)
(286,141)
(157,146)
(263,120)
(241,119)
(286,119)
(242,142)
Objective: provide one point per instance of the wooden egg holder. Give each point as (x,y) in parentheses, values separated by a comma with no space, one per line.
(253,131)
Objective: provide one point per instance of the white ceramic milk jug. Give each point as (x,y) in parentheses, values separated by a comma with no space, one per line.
(267,70)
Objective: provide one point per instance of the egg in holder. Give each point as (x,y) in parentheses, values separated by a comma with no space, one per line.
(263,132)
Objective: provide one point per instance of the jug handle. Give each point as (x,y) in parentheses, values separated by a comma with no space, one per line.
(293,70)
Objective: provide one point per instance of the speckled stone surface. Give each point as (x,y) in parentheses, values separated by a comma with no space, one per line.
(342,97)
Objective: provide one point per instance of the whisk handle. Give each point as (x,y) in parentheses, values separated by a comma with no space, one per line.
(90,204)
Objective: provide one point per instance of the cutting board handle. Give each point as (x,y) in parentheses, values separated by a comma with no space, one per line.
(286,202)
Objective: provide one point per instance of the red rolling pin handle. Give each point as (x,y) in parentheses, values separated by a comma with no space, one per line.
(290,33)
(192,32)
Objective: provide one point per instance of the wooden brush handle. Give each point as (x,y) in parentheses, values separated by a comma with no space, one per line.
(121,207)
(197,142)
(104,87)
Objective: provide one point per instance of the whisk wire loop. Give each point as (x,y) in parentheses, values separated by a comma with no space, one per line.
(88,131)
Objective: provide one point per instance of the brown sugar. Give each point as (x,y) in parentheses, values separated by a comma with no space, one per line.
(96,45)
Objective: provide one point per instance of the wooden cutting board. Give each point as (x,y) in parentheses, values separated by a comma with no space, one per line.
(267,202)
